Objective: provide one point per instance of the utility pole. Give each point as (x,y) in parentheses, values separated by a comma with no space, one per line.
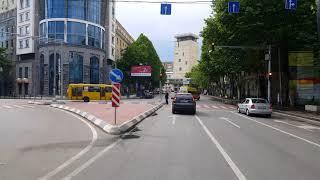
(269,74)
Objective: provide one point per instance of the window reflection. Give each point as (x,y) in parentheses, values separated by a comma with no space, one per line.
(75,68)
(76,33)
(94,36)
(94,70)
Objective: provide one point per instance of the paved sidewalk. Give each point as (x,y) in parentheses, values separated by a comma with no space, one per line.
(125,112)
(302,114)
(103,115)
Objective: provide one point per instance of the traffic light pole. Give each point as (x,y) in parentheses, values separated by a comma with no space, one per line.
(269,73)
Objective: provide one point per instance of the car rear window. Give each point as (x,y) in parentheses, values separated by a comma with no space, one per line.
(184,97)
(259,101)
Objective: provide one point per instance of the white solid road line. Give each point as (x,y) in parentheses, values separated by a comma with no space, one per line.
(283,122)
(284,132)
(77,156)
(90,161)
(226,119)
(233,166)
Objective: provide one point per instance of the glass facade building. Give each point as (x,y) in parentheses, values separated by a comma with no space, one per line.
(76,22)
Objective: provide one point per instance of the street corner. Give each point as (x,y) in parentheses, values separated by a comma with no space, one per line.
(104,117)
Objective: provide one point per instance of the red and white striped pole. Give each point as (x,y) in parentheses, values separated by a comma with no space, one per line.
(115,99)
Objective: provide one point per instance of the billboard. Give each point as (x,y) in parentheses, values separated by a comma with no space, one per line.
(141,70)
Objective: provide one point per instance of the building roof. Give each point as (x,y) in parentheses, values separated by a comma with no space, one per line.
(186,35)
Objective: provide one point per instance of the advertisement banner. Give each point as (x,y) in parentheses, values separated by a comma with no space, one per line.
(141,71)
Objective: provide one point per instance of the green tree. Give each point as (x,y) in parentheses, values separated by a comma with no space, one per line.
(142,52)
(4,62)
(259,23)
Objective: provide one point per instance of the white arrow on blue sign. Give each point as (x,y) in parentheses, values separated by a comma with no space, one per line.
(165,9)
(116,76)
(233,7)
(291,4)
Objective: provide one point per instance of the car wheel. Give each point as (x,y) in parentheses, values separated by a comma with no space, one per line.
(239,110)
(173,111)
(268,116)
(247,112)
(86,99)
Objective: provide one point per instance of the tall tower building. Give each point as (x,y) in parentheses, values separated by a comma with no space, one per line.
(185,55)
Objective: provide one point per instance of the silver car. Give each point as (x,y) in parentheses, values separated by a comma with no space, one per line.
(255,106)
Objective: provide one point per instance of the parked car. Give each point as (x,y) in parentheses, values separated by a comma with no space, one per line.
(183,102)
(148,94)
(255,106)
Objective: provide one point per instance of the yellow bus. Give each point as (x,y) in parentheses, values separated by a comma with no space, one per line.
(87,92)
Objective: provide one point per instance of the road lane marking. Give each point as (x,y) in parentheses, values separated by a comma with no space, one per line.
(214,106)
(77,156)
(283,122)
(226,119)
(308,127)
(28,106)
(90,161)
(9,107)
(223,107)
(284,132)
(206,106)
(173,119)
(233,166)
(17,106)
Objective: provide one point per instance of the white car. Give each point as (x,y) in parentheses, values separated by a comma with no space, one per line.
(255,106)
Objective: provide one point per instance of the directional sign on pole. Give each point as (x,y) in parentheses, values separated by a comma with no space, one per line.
(233,7)
(116,75)
(165,9)
(116,95)
(291,4)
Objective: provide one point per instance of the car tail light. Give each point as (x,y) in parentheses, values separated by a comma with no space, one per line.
(253,106)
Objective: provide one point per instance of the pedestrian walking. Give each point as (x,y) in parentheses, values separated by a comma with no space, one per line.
(167,97)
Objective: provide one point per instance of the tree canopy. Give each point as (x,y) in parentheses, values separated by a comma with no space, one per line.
(4,62)
(258,24)
(142,52)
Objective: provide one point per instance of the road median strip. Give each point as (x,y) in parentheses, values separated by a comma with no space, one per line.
(106,127)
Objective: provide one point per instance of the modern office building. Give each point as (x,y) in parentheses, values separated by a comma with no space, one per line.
(186,55)
(61,42)
(8,41)
(123,40)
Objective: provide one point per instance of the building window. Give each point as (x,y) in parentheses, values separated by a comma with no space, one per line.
(76,33)
(75,68)
(27,16)
(27,43)
(12,29)
(27,3)
(112,40)
(179,60)
(113,29)
(26,72)
(94,36)
(183,54)
(12,43)
(27,30)
(76,9)
(7,44)
(94,70)
(21,4)
(118,41)
(20,17)
(112,51)
(180,69)
(55,30)
(20,44)
(20,72)
(20,31)
(41,74)
(186,62)
(53,67)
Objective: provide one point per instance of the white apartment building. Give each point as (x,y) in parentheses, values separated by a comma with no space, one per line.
(185,55)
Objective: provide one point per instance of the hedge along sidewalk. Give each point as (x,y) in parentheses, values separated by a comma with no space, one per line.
(105,122)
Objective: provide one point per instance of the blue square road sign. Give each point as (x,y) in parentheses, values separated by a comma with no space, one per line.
(233,7)
(165,9)
(291,4)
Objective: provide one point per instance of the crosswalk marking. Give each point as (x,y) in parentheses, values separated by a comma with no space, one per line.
(214,106)
(28,106)
(17,106)
(5,106)
(223,107)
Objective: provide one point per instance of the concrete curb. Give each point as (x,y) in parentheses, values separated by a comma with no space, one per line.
(108,128)
(298,118)
(45,102)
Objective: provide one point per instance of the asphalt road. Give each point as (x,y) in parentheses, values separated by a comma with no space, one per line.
(216,143)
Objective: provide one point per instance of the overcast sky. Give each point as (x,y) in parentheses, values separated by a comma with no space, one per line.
(145,18)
